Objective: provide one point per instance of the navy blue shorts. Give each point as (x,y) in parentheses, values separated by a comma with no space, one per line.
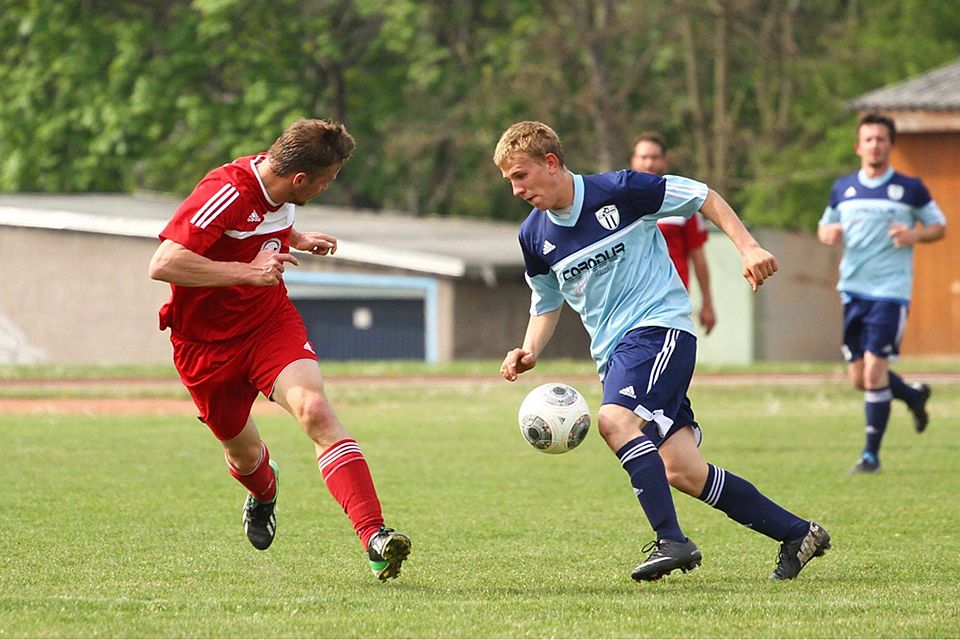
(649,373)
(872,325)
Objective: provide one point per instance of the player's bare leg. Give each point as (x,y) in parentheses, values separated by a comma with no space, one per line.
(248,460)
(742,502)
(299,390)
(621,429)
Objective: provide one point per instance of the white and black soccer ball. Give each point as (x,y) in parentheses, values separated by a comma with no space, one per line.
(554,418)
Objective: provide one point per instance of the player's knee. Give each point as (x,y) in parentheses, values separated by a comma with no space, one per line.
(607,427)
(244,459)
(316,417)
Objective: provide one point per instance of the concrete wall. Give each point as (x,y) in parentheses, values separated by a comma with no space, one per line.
(493,320)
(79,298)
(795,316)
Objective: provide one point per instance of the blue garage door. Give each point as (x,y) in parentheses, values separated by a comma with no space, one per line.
(354,329)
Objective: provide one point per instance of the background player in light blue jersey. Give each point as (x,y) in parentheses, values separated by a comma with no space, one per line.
(874,213)
(592,241)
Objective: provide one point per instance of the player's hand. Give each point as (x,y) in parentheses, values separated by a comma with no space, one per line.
(319,244)
(902,235)
(830,234)
(268,267)
(707,318)
(758,265)
(516,362)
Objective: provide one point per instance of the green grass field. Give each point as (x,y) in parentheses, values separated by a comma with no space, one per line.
(130,526)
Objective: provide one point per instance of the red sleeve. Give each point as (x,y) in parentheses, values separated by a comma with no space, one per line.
(695,232)
(201,219)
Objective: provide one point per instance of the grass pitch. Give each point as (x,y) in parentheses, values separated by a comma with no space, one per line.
(130,526)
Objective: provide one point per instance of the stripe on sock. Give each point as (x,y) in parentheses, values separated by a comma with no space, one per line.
(341,453)
(640,449)
(716,486)
(878,395)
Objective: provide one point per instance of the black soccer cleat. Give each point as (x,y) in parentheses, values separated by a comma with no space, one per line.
(866,465)
(795,554)
(260,518)
(920,415)
(387,550)
(665,556)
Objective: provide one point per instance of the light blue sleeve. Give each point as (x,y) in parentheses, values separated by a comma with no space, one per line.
(930,213)
(681,197)
(546,295)
(830,216)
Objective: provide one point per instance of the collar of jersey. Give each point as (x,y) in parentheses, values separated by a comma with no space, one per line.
(570,220)
(873,183)
(253,167)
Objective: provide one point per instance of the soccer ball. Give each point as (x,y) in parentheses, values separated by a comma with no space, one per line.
(554,418)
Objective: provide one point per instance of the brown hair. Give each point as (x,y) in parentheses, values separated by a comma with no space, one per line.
(310,145)
(532,138)
(879,118)
(652,136)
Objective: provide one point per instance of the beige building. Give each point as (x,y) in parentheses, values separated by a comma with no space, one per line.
(76,289)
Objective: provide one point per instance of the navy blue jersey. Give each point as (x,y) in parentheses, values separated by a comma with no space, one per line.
(606,258)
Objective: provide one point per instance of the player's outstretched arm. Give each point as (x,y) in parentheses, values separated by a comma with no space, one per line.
(174,263)
(758,263)
(539,331)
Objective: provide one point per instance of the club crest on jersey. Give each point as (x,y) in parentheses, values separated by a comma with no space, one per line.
(895,192)
(608,217)
(271,245)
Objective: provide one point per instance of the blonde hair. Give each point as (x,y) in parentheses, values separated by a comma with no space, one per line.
(532,138)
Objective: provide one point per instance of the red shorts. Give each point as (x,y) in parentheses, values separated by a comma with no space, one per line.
(224,377)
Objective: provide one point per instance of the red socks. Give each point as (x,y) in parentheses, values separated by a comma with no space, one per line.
(261,482)
(347,475)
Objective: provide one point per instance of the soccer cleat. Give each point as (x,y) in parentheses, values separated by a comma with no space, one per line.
(795,554)
(920,415)
(259,518)
(665,556)
(387,550)
(866,464)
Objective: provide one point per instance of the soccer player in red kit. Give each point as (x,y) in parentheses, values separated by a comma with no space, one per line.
(685,237)
(235,332)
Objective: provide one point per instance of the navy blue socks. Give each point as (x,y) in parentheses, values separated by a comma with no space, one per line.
(902,391)
(742,502)
(643,464)
(876,404)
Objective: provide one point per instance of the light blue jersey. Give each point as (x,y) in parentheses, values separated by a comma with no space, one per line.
(607,259)
(872,267)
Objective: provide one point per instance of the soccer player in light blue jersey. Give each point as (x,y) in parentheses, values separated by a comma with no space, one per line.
(875,214)
(591,241)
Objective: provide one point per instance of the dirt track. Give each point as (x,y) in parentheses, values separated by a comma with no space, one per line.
(156,406)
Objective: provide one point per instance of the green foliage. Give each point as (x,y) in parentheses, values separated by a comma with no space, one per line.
(118,96)
(129,526)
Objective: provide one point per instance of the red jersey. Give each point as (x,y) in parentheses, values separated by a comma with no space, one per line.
(683,235)
(228,218)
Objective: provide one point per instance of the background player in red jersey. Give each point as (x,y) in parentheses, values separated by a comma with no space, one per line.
(235,332)
(685,237)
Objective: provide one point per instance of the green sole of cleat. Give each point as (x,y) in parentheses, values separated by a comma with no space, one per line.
(394,554)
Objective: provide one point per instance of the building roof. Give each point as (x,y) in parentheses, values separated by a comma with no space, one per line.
(936,90)
(454,247)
